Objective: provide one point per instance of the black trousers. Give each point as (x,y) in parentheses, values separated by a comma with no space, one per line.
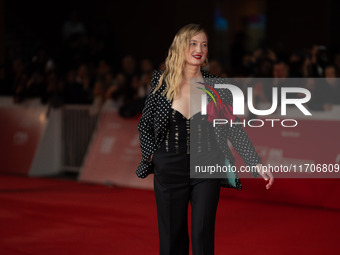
(173,191)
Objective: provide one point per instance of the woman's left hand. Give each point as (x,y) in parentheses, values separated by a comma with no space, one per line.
(267,175)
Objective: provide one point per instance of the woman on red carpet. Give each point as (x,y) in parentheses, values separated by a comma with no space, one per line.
(165,128)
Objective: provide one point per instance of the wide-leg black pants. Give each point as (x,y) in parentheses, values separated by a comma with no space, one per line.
(173,190)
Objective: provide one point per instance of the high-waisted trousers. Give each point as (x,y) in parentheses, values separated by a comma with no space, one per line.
(173,190)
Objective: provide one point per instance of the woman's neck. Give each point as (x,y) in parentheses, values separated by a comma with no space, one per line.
(191,72)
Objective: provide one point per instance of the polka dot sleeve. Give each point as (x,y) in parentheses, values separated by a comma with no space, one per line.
(146,128)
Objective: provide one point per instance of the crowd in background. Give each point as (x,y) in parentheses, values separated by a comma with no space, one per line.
(82,73)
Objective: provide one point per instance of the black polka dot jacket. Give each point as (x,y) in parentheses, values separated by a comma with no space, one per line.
(152,129)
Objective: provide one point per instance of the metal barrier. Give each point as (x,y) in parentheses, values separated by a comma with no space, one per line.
(77,127)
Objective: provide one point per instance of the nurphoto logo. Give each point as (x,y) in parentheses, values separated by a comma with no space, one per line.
(238,104)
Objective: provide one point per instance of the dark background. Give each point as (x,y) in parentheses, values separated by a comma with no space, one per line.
(146,28)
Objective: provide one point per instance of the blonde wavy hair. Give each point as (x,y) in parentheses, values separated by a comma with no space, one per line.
(175,60)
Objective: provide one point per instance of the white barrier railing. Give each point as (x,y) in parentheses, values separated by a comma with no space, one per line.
(77,126)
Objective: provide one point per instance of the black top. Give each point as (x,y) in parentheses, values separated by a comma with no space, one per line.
(197,131)
(177,138)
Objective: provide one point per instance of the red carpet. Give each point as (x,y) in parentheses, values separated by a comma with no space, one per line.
(48,216)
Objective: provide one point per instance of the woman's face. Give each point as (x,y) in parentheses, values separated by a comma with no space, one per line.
(198,50)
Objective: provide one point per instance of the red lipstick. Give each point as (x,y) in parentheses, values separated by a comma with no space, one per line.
(197,56)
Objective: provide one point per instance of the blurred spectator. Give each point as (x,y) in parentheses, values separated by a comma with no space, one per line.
(264,89)
(332,89)
(145,78)
(129,90)
(331,72)
(78,87)
(39,61)
(113,94)
(35,85)
(128,70)
(325,92)
(336,61)
(128,67)
(296,63)
(281,70)
(215,68)
(247,66)
(315,61)
(102,69)
(105,83)
(263,68)
(263,60)
(20,88)
(54,93)
(20,80)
